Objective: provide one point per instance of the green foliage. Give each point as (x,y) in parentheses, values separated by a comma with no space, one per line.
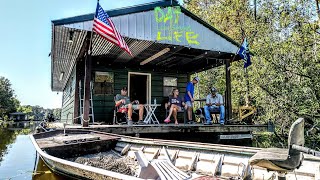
(267,140)
(38,112)
(8,102)
(285,75)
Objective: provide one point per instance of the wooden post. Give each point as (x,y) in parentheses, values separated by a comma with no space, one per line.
(247,87)
(228,91)
(76,95)
(87,79)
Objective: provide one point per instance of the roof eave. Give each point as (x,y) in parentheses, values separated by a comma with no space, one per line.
(115,12)
(52,56)
(141,8)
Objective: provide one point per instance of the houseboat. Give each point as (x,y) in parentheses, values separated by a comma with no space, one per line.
(169,46)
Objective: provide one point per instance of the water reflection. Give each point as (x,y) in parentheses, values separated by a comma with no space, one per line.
(18,159)
(42,172)
(8,137)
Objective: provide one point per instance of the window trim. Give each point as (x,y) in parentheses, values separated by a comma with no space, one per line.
(106,83)
(164,86)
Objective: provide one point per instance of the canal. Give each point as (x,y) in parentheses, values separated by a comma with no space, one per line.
(18,159)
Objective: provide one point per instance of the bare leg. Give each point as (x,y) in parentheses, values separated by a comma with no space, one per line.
(189,113)
(129,112)
(140,112)
(170,111)
(175,109)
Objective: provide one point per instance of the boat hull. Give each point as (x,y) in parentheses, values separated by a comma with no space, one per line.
(196,159)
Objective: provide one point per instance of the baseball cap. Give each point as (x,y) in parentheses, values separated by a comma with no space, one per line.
(124,88)
(196,78)
(213,89)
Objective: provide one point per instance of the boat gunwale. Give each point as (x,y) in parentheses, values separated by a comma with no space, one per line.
(225,149)
(60,171)
(195,145)
(79,166)
(231,149)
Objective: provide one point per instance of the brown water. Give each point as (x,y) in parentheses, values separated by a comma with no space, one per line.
(18,158)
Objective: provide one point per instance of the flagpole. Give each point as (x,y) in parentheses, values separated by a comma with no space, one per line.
(90,44)
(91,36)
(246,78)
(235,54)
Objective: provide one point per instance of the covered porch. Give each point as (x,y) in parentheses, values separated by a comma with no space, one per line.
(169,45)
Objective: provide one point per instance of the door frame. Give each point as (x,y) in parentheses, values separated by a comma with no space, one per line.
(148,90)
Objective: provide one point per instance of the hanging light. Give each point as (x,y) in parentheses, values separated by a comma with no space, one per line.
(71,34)
(61,76)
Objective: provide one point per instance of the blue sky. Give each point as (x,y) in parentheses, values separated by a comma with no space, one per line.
(25,37)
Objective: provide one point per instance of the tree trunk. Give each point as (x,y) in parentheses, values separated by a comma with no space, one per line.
(318,10)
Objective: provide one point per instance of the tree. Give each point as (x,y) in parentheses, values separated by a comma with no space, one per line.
(8,102)
(57,113)
(285,75)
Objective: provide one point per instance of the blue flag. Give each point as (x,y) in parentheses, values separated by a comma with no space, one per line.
(244,53)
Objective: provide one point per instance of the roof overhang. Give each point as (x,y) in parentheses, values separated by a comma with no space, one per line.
(148,29)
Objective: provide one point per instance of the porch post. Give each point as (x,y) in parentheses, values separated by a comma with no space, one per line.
(87,79)
(76,95)
(228,91)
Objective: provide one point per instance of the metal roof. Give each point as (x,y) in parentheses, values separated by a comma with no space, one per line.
(138,27)
(142,8)
(64,54)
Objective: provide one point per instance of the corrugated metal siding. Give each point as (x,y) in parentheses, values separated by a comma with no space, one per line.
(136,47)
(143,26)
(65,54)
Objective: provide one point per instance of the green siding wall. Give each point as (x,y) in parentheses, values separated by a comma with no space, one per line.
(68,99)
(104,104)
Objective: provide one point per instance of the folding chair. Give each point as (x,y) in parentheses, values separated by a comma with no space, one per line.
(167,108)
(200,113)
(119,116)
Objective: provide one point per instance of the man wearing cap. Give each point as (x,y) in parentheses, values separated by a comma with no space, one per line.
(188,98)
(123,101)
(214,103)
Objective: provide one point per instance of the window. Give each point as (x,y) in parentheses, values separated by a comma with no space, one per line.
(103,83)
(169,83)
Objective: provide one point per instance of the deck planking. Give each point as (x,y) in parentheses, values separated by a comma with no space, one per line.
(168,128)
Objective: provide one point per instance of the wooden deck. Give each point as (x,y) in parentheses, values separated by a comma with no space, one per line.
(169,128)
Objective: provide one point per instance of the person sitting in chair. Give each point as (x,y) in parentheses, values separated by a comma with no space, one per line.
(176,105)
(214,103)
(123,101)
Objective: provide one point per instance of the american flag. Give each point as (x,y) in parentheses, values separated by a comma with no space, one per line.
(103,26)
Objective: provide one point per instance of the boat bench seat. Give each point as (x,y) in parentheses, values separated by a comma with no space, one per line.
(158,169)
(167,170)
